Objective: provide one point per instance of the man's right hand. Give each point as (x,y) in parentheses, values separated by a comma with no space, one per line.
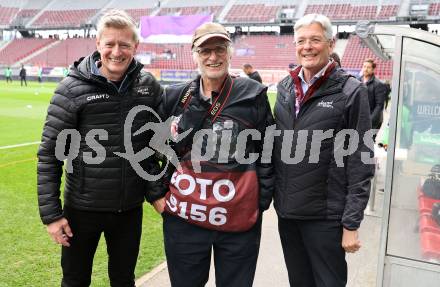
(350,240)
(159,205)
(60,231)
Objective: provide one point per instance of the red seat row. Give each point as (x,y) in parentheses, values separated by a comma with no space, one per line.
(429,229)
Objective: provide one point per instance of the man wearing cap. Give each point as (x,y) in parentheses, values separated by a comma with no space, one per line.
(216,202)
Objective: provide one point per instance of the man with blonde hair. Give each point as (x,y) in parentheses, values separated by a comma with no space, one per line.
(320,199)
(102,194)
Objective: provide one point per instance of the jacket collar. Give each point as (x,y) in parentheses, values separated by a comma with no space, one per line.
(87,69)
(370,80)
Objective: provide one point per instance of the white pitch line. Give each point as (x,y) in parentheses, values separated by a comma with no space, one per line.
(18,145)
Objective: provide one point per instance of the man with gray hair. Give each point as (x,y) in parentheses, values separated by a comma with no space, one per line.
(320,200)
(102,192)
(219,207)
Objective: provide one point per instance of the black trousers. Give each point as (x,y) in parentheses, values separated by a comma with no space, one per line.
(188,250)
(313,252)
(21,81)
(122,232)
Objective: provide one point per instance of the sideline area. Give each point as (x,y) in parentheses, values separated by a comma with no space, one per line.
(271,270)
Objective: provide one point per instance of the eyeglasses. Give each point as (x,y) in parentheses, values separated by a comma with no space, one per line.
(219,50)
(312,41)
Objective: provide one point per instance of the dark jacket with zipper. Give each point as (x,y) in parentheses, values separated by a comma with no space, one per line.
(87,101)
(248,109)
(314,187)
(377,95)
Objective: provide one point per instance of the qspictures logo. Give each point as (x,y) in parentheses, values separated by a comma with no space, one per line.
(205,145)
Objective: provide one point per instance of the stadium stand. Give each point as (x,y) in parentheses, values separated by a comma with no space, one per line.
(51,14)
(434,9)
(7,14)
(355,10)
(73,14)
(136,14)
(64,53)
(23,16)
(188,7)
(356,53)
(168,56)
(350,12)
(135,8)
(256,11)
(252,13)
(20,48)
(18,13)
(264,52)
(388,11)
(191,10)
(60,19)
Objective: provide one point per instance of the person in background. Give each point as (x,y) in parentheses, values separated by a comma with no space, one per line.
(336,58)
(8,74)
(251,73)
(377,92)
(66,71)
(40,75)
(23,76)
(320,203)
(388,97)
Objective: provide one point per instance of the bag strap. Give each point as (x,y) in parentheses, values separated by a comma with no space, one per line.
(217,105)
(185,96)
(301,97)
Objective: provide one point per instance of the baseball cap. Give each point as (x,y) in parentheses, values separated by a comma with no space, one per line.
(207,31)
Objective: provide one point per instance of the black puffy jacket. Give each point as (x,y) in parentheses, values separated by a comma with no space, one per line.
(315,187)
(85,101)
(249,108)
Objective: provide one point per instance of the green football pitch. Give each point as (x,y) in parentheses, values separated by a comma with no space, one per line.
(28,256)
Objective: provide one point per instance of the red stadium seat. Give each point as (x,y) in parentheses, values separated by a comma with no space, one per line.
(356,53)
(252,13)
(65,52)
(64,18)
(21,48)
(7,14)
(434,9)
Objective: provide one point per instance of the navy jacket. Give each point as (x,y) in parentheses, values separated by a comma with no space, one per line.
(314,187)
